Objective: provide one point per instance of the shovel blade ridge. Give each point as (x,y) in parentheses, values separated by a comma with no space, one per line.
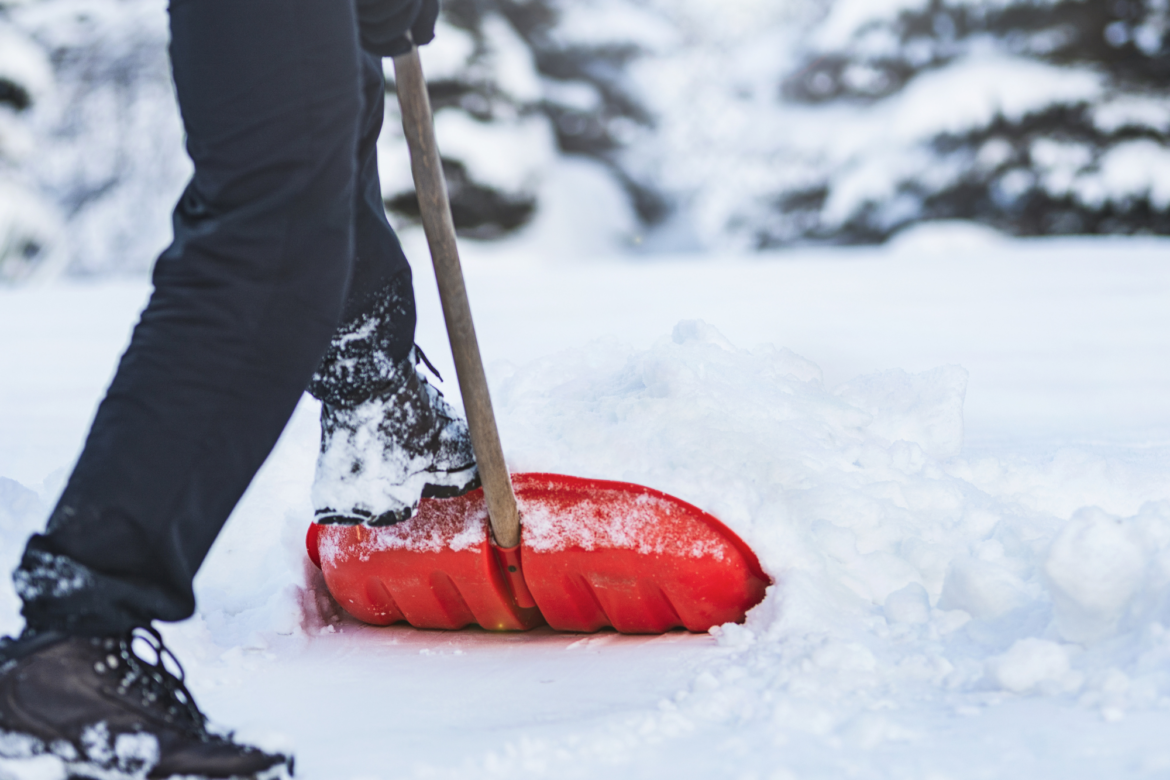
(594,553)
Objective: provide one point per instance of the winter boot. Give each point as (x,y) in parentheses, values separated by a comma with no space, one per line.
(82,707)
(381,456)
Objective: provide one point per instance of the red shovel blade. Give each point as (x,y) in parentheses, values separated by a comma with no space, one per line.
(593,553)
(597,553)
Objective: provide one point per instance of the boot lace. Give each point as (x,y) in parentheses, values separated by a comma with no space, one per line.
(150,683)
(421,357)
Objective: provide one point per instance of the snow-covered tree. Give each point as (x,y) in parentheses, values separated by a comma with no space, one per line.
(1033,116)
(719,142)
(110,143)
(29,223)
(514,85)
(517,86)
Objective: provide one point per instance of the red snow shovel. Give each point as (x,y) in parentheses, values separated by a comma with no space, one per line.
(592,553)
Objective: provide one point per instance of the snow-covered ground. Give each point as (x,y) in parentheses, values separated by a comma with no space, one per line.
(953,455)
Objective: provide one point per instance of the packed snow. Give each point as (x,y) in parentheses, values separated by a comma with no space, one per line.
(951,454)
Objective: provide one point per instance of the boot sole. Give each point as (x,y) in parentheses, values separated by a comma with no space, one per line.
(457,483)
(454,484)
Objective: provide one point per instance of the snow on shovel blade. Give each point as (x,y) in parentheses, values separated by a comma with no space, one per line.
(436,570)
(597,553)
(593,553)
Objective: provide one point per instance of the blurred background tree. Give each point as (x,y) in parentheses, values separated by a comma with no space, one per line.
(650,124)
(514,84)
(106,143)
(29,222)
(1036,117)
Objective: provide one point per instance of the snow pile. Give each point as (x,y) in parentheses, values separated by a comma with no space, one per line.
(918,585)
(901,583)
(893,556)
(853,498)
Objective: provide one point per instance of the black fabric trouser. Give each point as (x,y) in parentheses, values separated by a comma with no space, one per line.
(280,244)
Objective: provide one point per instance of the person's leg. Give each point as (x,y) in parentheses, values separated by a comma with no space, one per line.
(377,327)
(246,300)
(388,437)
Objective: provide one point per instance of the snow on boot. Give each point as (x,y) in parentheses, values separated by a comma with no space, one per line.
(380,457)
(81,707)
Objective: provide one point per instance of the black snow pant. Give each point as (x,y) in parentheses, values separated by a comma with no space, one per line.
(281,245)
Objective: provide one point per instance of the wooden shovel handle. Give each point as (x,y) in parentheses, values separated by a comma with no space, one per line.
(435,207)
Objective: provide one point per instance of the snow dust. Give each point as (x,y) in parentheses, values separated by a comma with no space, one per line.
(436,530)
(600,518)
(940,610)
